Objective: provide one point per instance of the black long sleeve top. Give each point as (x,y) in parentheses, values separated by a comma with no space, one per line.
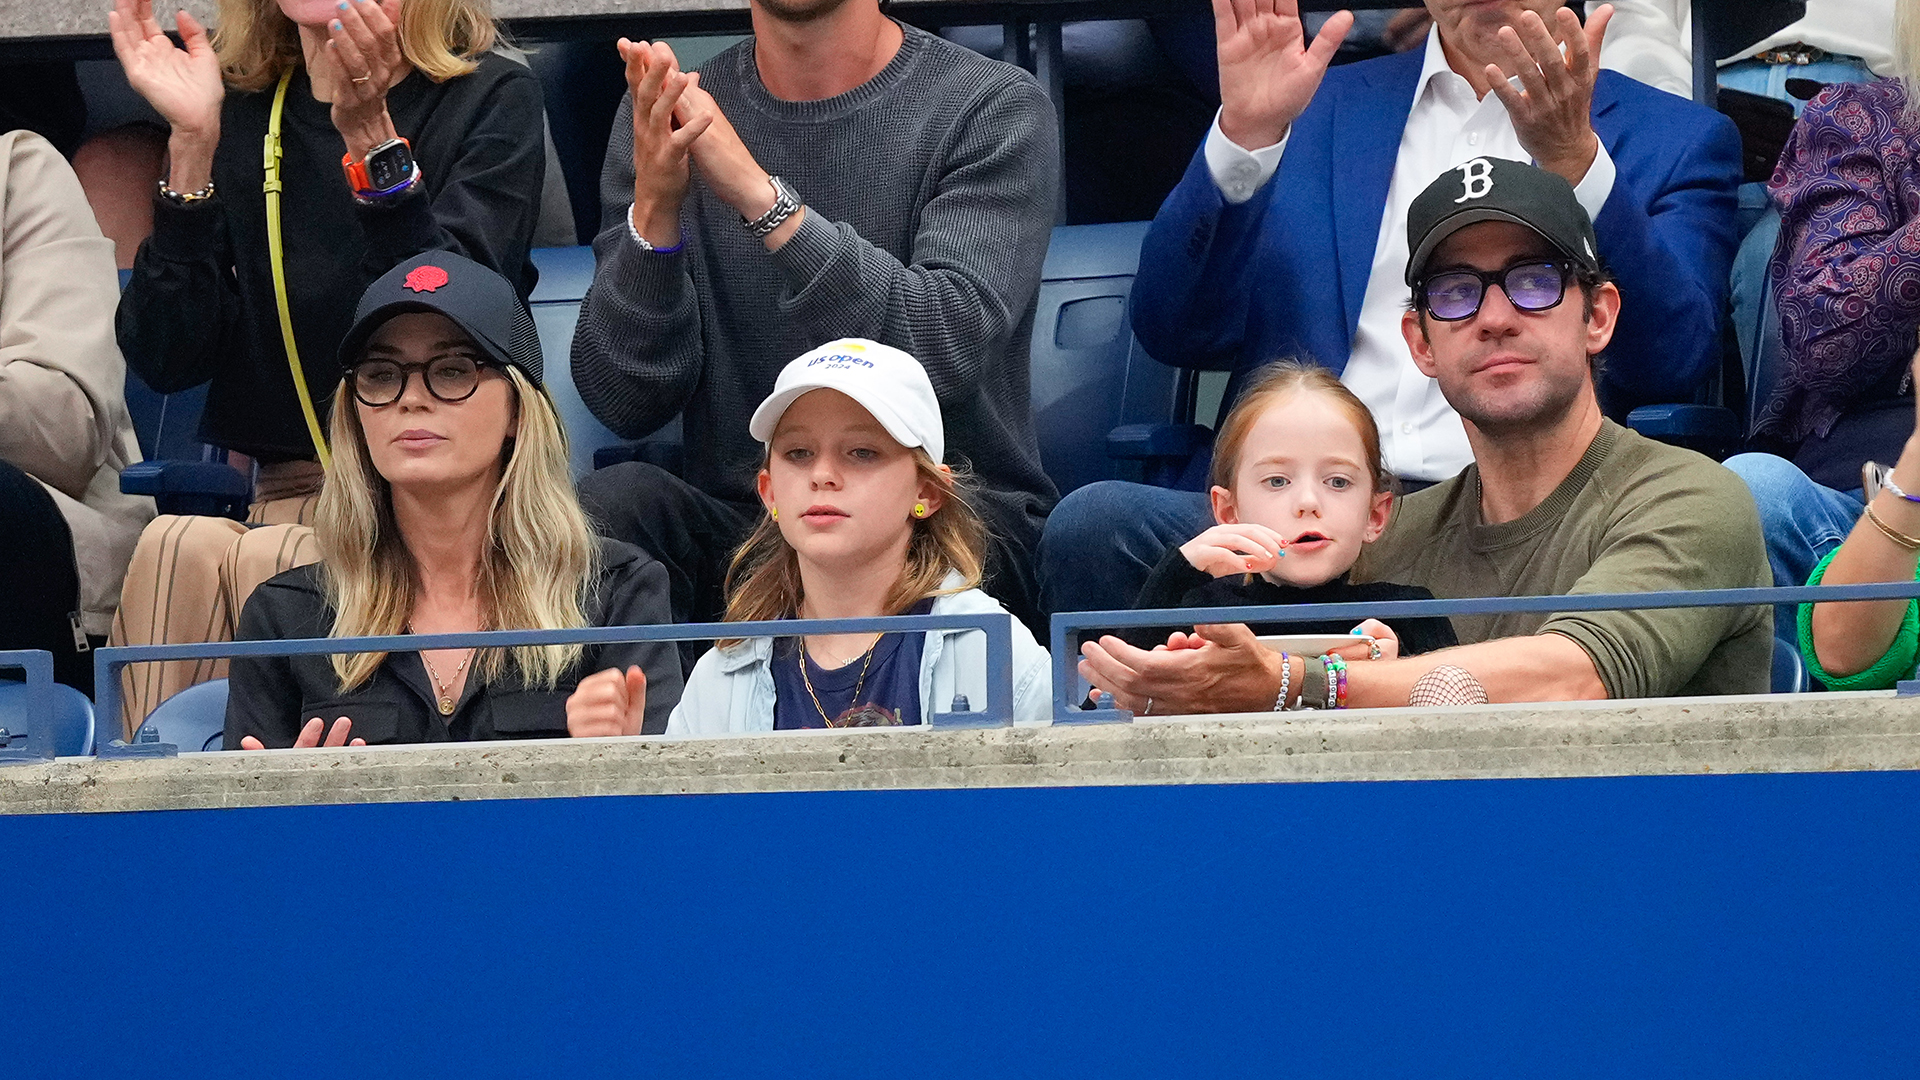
(1175,583)
(271,697)
(200,304)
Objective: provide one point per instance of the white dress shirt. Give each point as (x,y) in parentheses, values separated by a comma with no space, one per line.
(1652,40)
(1420,434)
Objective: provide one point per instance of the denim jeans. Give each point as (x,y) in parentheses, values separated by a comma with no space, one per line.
(1802,521)
(1103,540)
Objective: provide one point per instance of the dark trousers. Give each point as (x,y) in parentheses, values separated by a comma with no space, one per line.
(695,535)
(39,580)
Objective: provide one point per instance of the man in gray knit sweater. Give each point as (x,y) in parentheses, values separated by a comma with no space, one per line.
(916,189)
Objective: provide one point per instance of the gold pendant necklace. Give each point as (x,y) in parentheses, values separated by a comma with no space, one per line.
(446,692)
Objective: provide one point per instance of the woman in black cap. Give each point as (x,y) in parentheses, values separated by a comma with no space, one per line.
(448,509)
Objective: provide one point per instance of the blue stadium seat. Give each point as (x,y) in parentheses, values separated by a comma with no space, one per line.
(1098,398)
(181,474)
(1756,317)
(72,718)
(193,720)
(1789,671)
(565,274)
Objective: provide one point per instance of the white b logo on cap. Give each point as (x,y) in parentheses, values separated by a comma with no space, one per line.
(1477,178)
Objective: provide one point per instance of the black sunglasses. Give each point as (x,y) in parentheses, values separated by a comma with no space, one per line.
(451,379)
(1456,293)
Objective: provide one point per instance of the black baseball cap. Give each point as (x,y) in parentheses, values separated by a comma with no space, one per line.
(477,299)
(1495,189)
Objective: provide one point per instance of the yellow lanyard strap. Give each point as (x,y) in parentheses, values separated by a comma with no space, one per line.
(276,256)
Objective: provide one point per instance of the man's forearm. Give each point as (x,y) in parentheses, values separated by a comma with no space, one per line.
(1543,667)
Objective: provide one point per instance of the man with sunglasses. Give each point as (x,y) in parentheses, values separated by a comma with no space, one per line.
(1511,308)
(1283,239)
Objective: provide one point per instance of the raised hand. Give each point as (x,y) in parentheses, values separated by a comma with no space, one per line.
(661,141)
(1241,548)
(182,84)
(728,167)
(364,41)
(310,736)
(1268,73)
(1552,112)
(610,702)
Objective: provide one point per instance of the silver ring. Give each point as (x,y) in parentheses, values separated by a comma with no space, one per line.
(1148,709)
(1373,650)
(362,78)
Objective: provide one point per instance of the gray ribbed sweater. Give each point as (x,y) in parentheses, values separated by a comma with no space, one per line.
(929,192)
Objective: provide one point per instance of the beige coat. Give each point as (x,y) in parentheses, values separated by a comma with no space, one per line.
(63,409)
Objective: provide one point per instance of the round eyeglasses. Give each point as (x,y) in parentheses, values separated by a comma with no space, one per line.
(1455,294)
(451,379)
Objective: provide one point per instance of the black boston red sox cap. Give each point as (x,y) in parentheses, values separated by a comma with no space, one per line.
(475,298)
(1495,189)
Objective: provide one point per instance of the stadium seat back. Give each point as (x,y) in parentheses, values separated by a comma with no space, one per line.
(1089,375)
(1756,316)
(1789,671)
(72,718)
(565,274)
(193,720)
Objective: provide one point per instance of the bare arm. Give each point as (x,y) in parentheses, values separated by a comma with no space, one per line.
(1850,638)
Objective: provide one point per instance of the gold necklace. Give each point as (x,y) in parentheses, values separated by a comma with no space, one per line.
(446,692)
(857,686)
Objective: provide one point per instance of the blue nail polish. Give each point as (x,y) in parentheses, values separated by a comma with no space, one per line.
(342,5)
(336,24)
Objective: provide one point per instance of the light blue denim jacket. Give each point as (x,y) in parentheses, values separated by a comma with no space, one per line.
(731,690)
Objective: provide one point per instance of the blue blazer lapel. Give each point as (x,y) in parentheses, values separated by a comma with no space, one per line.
(1369,116)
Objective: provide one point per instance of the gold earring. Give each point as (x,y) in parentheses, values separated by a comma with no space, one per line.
(774,511)
(919,510)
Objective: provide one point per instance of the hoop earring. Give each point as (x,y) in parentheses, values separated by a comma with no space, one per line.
(919,510)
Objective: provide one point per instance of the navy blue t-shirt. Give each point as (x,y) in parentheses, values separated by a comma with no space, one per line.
(889,694)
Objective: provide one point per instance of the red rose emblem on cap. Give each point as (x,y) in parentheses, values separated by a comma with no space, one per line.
(425,278)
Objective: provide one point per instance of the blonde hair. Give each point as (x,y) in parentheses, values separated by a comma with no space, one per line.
(257,44)
(1906,51)
(1281,379)
(763,582)
(537,571)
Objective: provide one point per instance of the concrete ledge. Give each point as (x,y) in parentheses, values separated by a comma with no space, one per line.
(1788,733)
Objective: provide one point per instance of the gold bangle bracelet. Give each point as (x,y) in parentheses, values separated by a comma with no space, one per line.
(1899,538)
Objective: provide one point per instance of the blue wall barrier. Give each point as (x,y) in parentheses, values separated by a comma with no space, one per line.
(1691,927)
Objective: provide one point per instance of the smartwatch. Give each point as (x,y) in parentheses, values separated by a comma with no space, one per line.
(388,169)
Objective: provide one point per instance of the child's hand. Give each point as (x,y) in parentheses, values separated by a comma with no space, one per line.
(1243,548)
(1383,638)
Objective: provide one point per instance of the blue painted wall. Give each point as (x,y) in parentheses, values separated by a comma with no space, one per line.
(1693,927)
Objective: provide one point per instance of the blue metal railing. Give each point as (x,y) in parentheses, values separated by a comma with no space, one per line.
(38,664)
(997,710)
(1069,690)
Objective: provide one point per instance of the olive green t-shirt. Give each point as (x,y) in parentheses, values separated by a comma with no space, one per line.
(1634,516)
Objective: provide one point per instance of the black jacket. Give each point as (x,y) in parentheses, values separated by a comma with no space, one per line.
(1176,584)
(271,697)
(200,303)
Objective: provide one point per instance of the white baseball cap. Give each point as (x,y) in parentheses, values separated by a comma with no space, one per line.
(885,381)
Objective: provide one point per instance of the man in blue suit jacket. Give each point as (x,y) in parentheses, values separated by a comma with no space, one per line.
(1286,236)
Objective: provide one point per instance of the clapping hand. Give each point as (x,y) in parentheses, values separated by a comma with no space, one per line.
(182,84)
(661,140)
(364,41)
(1552,111)
(1268,72)
(1239,548)
(310,736)
(610,702)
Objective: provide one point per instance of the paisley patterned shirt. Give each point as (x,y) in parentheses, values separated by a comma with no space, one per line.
(1847,267)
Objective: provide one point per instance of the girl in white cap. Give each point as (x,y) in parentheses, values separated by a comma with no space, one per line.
(862,519)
